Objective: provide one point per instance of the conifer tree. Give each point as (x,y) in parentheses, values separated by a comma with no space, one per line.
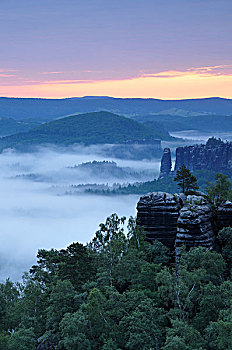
(185,180)
(219,192)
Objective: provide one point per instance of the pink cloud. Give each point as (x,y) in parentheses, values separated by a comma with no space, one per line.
(220,70)
(201,72)
(5,73)
(52,72)
(2,75)
(74,81)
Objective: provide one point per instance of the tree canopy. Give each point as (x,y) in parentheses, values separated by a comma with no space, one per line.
(220,191)
(121,293)
(185,180)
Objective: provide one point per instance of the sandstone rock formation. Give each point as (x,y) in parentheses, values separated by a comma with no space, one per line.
(215,155)
(202,157)
(195,224)
(224,215)
(157,214)
(166,163)
(177,219)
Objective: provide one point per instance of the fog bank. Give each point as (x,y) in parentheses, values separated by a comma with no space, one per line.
(32,216)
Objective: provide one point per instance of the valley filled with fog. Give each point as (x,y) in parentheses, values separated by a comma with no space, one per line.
(202,137)
(36,212)
(44,203)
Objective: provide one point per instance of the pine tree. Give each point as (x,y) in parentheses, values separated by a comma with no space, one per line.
(185,180)
(219,192)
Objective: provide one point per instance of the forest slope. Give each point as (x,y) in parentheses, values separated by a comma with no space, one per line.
(90,128)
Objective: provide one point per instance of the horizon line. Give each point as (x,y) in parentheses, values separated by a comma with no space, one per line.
(117,98)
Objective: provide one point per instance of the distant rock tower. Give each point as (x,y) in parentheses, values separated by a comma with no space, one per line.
(166,163)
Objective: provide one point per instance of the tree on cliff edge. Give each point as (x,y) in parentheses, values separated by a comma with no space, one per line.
(219,192)
(185,180)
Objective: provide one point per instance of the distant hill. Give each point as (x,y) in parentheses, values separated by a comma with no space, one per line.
(90,128)
(49,109)
(206,122)
(9,126)
(108,170)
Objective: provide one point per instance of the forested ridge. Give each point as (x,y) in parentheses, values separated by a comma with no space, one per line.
(121,292)
(48,109)
(90,128)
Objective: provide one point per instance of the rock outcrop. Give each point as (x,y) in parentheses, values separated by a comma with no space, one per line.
(177,220)
(215,155)
(224,215)
(195,224)
(157,214)
(166,163)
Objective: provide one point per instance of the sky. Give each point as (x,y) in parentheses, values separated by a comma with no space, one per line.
(169,49)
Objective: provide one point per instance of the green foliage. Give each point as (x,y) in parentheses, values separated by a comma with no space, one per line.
(225,240)
(110,345)
(219,334)
(9,294)
(4,341)
(22,339)
(65,264)
(110,240)
(61,301)
(185,180)
(157,185)
(75,332)
(121,293)
(219,192)
(90,128)
(144,327)
(183,337)
(9,126)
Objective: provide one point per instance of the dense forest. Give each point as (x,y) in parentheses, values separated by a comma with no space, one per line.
(166,184)
(121,292)
(90,128)
(9,126)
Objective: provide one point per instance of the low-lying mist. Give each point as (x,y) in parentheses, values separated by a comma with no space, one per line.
(32,216)
(201,137)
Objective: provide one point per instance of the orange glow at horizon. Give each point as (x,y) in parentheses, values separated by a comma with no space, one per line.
(171,85)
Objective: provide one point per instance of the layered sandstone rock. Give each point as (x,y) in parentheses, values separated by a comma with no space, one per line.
(224,215)
(216,155)
(195,224)
(166,163)
(157,214)
(177,220)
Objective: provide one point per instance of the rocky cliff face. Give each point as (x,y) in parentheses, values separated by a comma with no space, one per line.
(215,155)
(157,214)
(178,220)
